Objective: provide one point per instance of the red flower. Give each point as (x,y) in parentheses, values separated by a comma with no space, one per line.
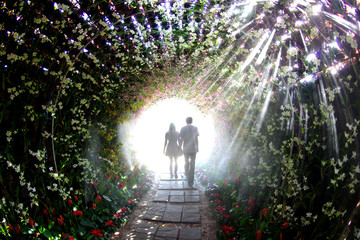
(117,177)
(78,212)
(226,216)
(17,229)
(250,202)
(71,238)
(94,183)
(31,222)
(96,232)
(10,226)
(45,211)
(118,215)
(259,234)
(121,185)
(263,212)
(94,205)
(218,202)
(131,201)
(60,220)
(227,229)
(70,202)
(136,171)
(220,209)
(216,195)
(124,209)
(109,223)
(285,225)
(238,205)
(98,198)
(76,198)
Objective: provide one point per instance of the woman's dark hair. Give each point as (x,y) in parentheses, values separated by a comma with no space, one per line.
(172,127)
(189,120)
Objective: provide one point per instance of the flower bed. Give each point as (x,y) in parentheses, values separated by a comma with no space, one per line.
(242,213)
(94,211)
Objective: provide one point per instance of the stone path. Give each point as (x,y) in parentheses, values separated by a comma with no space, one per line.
(173,214)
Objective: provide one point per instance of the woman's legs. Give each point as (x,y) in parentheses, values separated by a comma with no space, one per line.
(176,167)
(171,166)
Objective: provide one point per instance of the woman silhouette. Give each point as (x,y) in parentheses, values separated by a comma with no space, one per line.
(171,148)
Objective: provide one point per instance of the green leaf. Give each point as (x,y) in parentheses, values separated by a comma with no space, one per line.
(82,230)
(107,198)
(87,223)
(51,224)
(48,234)
(243,221)
(262,226)
(42,229)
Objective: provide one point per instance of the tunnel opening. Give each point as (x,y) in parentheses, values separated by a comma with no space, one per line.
(145,134)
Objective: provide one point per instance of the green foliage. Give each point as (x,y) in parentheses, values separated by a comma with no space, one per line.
(71,71)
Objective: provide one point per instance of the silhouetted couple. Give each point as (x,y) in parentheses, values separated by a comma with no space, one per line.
(186,142)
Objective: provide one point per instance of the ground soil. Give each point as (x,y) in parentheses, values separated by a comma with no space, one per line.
(208,224)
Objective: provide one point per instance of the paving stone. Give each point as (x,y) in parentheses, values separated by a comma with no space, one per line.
(162,193)
(167,177)
(164,186)
(177,193)
(192,192)
(154,216)
(192,199)
(190,217)
(172,217)
(174,208)
(140,236)
(177,185)
(161,199)
(186,186)
(157,207)
(190,234)
(164,238)
(167,232)
(146,228)
(177,199)
(193,209)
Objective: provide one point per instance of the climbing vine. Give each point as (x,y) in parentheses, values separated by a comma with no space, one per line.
(281,78)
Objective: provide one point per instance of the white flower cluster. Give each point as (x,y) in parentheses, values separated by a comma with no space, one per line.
(329,210)
(352,134)
(31,190)
(308,219)
(357,233)
(9,135)
(285,211)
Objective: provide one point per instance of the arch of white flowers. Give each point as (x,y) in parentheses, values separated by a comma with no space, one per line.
(280,79)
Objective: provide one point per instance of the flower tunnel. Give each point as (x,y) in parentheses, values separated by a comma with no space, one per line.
(89,89)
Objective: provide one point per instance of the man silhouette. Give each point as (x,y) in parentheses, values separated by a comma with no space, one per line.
(190,143)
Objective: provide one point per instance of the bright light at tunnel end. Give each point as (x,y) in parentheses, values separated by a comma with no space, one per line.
(146,135)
